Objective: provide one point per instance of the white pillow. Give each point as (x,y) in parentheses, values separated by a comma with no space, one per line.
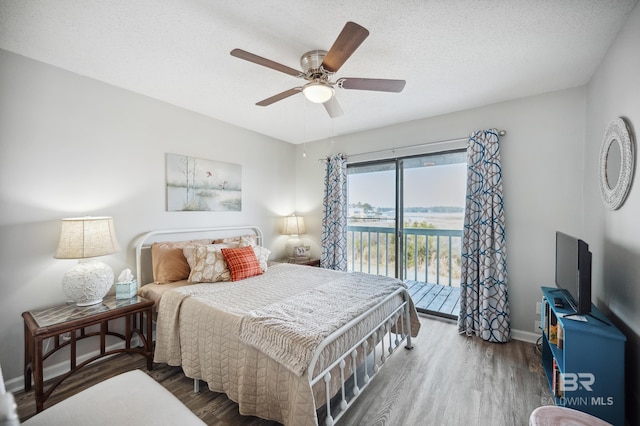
(262,253)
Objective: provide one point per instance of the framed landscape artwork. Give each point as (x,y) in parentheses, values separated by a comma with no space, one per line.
(195,184)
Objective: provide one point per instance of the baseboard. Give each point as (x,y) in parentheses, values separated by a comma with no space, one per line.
(525,336)
(17,384)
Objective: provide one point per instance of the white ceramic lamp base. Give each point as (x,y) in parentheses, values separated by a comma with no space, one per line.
(293,242)
(88,282)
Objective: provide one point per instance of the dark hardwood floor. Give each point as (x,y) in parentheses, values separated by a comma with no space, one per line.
(447,379)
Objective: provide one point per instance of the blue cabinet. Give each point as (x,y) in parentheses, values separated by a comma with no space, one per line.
(583,358)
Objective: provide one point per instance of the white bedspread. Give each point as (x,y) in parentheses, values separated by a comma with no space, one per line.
(199,328)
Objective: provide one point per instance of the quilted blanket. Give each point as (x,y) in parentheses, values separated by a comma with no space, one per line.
(199,328)
(291,330)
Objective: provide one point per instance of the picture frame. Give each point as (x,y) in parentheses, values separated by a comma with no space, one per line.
(196,184)
(301,252)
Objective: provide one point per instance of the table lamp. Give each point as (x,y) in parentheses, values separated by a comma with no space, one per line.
(84,238)
(293,226)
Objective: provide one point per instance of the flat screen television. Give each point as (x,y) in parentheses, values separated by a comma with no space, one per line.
(573,271)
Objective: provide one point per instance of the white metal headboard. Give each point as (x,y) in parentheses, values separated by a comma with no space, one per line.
(143,246)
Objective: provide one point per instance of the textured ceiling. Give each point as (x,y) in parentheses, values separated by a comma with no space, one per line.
(454,54)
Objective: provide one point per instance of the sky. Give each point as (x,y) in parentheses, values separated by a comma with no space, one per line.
(442,185)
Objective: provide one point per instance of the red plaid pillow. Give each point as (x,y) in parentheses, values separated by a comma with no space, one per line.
(242,262)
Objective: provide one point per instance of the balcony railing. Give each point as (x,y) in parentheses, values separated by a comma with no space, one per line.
(429,255)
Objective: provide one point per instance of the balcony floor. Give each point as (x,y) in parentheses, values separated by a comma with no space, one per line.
(435,299)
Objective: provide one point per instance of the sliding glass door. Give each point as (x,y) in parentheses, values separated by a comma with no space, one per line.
(433,189)
(371,225)
(406,217)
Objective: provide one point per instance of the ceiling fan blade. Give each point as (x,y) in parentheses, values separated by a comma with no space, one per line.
(243,54)
(279,96)
(350,38)
(375,84)
(333,107)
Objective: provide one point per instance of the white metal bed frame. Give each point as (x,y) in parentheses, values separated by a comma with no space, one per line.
(387,335)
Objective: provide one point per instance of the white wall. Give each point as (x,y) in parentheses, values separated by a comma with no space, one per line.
(542,158)
(71,146)
(614,236)
(550,158)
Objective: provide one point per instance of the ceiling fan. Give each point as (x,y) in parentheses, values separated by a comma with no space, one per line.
(319,66)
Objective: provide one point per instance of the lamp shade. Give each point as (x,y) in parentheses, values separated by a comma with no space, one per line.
(84,237)
(294,225)
(318,93)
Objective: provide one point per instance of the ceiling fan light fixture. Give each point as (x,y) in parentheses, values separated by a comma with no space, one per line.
(318,93)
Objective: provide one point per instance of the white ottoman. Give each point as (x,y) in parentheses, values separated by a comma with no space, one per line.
(550,415)
(131,398)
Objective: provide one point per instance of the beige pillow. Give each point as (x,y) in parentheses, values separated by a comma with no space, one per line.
(189,252)
(168,261)
(207,263)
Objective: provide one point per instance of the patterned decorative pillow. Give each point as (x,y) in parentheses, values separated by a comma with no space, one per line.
(262,254)
(168,260)
(207,263)
(242,261)
(189,252)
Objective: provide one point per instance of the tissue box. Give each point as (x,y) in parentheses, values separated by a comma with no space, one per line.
(126,290)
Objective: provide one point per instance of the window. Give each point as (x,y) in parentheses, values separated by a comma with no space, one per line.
(426,194)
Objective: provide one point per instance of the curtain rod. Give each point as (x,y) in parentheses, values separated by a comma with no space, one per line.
(393,150)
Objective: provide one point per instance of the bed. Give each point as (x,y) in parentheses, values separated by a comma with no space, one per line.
(292,343)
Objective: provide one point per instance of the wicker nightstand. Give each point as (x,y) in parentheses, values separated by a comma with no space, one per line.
(54,322)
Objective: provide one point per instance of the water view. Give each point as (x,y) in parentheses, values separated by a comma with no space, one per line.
(432,245)
(433,189)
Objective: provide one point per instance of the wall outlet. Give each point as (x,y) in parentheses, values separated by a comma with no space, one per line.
(538,307)
(537,326)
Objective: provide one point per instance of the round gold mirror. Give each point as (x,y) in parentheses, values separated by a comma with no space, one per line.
(616,164)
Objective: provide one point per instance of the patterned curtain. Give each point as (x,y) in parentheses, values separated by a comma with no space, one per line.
(484,303)
(334,215)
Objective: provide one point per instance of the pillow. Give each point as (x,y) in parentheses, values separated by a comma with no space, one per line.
(262,254)
(168,261)
(189,252)
(243,240)
(242,262)
(207,263)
